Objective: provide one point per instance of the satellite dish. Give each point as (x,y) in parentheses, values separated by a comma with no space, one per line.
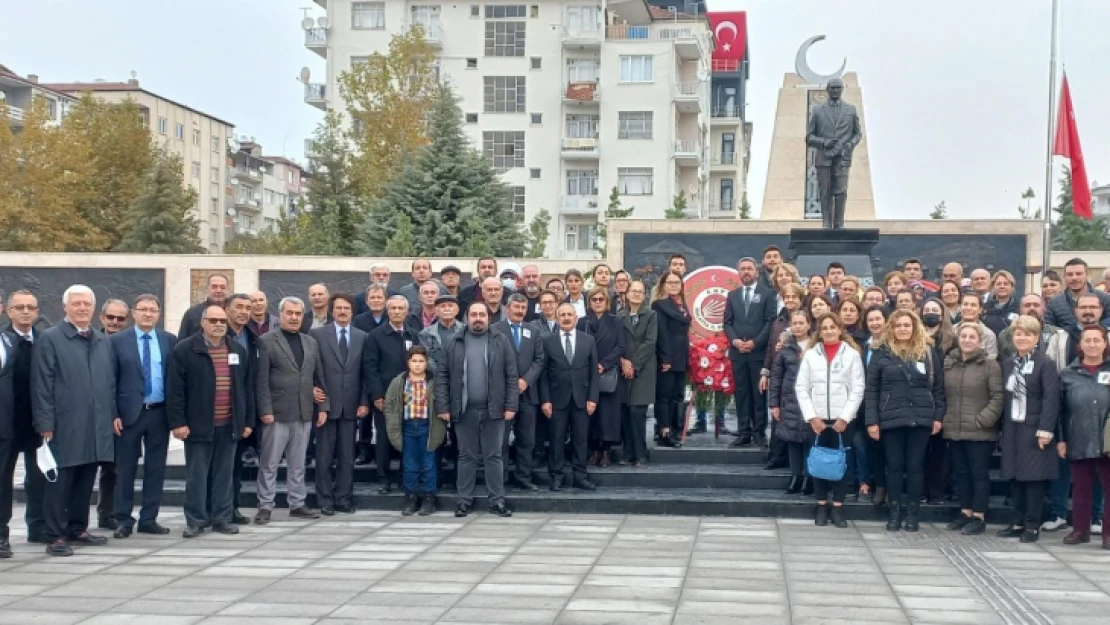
(322,22)
(234,181)
(262,169)
(306,23)
(231,212)
(702,74)
(306,74)
(134,74)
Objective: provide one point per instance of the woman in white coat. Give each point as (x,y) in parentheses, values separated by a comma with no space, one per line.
(830,390)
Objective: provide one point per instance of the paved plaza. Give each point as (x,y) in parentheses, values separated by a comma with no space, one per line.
(375,567)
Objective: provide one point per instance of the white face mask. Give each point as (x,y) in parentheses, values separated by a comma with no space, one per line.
(509,284)
(46,462)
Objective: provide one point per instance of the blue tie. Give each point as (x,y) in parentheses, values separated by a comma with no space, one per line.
(148,379)
(516,335)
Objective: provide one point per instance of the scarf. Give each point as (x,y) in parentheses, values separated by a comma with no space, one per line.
(1018,404)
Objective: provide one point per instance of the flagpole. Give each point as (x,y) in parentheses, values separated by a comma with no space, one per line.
(1046,240)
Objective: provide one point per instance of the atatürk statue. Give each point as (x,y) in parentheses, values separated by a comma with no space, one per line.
(833,131)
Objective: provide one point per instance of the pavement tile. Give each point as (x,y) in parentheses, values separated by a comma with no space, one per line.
(116,618)
(54,604)
(179,606)
(386,601)
(422,613)
(41,617)
(939,616)
(512,601)
(612,618)
(618,605)
(489,615)
(251,608)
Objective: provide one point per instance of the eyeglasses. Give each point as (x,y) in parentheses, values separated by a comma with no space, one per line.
(23,307)
(216,321)
(597,299)
(116,318)
(147,310)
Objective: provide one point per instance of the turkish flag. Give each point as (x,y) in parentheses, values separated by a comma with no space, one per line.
(730,33)
(1067,145)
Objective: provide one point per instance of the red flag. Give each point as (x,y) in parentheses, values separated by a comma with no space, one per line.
(1067,145)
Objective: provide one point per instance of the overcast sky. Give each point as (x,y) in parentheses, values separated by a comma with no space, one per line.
(955,90)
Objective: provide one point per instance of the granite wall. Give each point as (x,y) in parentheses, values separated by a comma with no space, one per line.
(48,284)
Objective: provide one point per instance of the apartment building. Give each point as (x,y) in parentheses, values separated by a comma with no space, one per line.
(199,139)
(17,93)
(567,98)
(263,189)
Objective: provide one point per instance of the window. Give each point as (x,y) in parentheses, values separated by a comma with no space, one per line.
(475,10)
(634,180)
(52,108)
(582,70)
(502,11)
(214,209)
(504,38)
(215,174)
(472,63)
(216,144)
(582,126)
(636,69)
(579,18)
(516,201)
(196,138)
(537,62)
(472,118)
(534,173)
(537,119)
(581,182)
(269,196)
(367,15)
(211,236)
(292,177)
(359,60)
(580,237)
(504,94)
(214,190)
(726,194)
(534,10)
(505,149)
(427,16)
(179,132)
(162,125)
(634,124)
(195,169)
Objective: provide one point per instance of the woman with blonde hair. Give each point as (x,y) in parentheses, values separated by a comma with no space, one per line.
(783,275)
(904,406)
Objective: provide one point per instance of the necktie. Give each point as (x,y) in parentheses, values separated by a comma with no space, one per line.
(148,380)
(567,347)
(83,334)
(343,344)
(747,298)
(516,335)
(635,320)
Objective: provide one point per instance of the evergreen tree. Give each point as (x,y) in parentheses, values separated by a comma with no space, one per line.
(1072,232)
(613,211)
(1027,211)
(451,195)
(940,211)
(538,231)
(677,209)
(160,220)
(335,212)
(402,244)
(745,209)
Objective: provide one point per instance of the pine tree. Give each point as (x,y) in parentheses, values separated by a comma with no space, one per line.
(538,231)
(335,213)
(613,211)
(402,244)
(745,209)
(160,220)
(677,209)
(1072,232)
(940,211)
(1027,211)
(451,195)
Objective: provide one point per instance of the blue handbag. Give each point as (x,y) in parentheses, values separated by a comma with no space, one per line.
(828,464)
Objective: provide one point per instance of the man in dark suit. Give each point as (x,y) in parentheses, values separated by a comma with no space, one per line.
(344,373)
(373,316)
(529,365)
(544,327)
(833,132)
(385,354)
(7,438)
(216,292)
(749,312)
(317,315)
(569,389)
(142,357)
(240,308)
(487,268)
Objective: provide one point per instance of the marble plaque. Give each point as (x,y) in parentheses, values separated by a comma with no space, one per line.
(48,284)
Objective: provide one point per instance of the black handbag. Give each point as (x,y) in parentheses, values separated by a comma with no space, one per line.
(608,382)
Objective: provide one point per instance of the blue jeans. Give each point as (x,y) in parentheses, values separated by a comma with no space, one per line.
(859,452)
(418,463)
(1058,494)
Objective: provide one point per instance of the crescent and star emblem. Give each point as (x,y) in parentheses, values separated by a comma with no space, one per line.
(725,25)
(802,68)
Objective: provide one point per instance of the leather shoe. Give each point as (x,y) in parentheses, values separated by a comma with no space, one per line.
(363,459)
(427,505)
(59,548)
(741,441)
(122,532)
(556,484)
(85,538)
(1012,531)
(304,512)
(1075,538)
(462,509)
(192,531)
(239,519)
(345,509)
(527,485)
(501,510)
(225,528)
(5,548)
(262,518)
(152,528)
(584,485)
(760,441)
(106,523)
(384,487)
(327,511)
(699,428)
(37,537)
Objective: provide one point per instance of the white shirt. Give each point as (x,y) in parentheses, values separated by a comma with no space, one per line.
(347,337)
(579,306)
(573,340)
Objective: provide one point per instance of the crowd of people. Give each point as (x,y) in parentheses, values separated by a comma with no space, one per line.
(520,378)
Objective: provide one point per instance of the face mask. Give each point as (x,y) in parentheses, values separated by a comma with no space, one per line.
(509,283)
(931,320)
(47,465)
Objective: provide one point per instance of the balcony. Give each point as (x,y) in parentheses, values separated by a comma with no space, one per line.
(315,94)
(723,161)
(726,114)
(316,39)
(687,44)
(582,92)
(433,32)
(582,37)
(309,148)
(687,152)
(579,205)
(15,115)
(247,202)
(687,96)
(246,175)
(717,210)
(582,148)
(726,66)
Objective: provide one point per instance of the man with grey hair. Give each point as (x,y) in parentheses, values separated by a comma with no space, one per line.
(113,316)
(319,315)
(385,353)
(113,319)
(288,370)
(74,405)
(493,294)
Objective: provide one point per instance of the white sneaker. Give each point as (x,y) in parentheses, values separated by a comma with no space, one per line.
(1054,524)
(1096,527)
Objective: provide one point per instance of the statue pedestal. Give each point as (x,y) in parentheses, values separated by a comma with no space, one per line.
(813,250)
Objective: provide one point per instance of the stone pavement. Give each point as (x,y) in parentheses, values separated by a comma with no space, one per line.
(563,569)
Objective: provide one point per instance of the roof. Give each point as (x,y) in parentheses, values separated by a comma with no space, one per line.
(6,72)
(119,87)
(284,161)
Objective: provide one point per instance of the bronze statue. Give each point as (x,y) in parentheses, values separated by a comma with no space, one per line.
(833,131)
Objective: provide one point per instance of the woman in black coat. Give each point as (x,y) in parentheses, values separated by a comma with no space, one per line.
(673,350)
(1030,410)
(605,424)
(790,426)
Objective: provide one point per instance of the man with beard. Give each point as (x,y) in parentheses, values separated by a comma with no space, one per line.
(1053,343)
(476,389)
(487,268)
(530,287)
(749,313)
(1062,308)
(772,258)
(677,264)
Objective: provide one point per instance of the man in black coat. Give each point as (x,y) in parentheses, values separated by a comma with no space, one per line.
(74,405)
(241,329)
(142,357)
(385,354)
(372,317)
(749,313)
(569,389)
(528,345)
(476,388)
(1061,309)
(209,405)
(487,268)
(216,292)
(17,430)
